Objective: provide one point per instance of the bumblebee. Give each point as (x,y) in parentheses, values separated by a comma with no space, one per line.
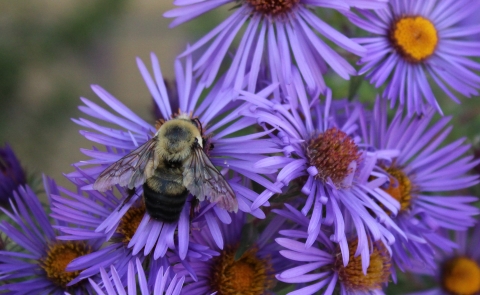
(170,165)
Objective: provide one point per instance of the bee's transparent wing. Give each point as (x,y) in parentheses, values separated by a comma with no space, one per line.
(132,170)
(202,179)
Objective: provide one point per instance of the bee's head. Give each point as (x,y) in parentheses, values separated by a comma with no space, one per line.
(176,139)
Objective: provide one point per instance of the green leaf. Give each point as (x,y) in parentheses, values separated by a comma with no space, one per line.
(355,83)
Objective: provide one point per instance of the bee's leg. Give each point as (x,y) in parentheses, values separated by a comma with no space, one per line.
(194,207)
(130,194)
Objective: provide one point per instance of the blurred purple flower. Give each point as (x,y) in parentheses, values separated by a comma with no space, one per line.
(421,177)
(246,265)
(417,41)
(277,33)
(458,272)
(41,260)
(321,267)
(324,158)
(11,174)
(160,284)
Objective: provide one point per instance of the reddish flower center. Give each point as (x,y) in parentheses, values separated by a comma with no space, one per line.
(332,153)
(273,7)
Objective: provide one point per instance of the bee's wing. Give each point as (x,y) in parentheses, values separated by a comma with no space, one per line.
(132,170)
(202,179)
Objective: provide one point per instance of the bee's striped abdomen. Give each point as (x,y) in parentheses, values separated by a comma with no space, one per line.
(165,195)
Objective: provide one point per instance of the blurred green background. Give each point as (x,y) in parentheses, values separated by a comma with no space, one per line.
(51,51)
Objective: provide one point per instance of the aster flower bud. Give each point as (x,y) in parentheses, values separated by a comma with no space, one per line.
(12,174)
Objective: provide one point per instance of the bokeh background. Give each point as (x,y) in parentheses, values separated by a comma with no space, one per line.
(51,51)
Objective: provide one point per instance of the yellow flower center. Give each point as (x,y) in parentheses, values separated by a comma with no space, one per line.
(400,187)
(59,255)
(248,275)
(352,275)
(331,153)
(130,221)
(272,7)
(461,276)
(415,38)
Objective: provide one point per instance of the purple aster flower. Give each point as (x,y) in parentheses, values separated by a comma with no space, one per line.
(278,33)
(322,157)
(458,272)
(135,236)
(417,41)
(422,177)
(162,283)
(220,117)
(39,265)
(11,174)
(246,265)
(320,268)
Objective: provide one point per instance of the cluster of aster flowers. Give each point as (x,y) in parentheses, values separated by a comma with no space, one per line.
(334,196)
